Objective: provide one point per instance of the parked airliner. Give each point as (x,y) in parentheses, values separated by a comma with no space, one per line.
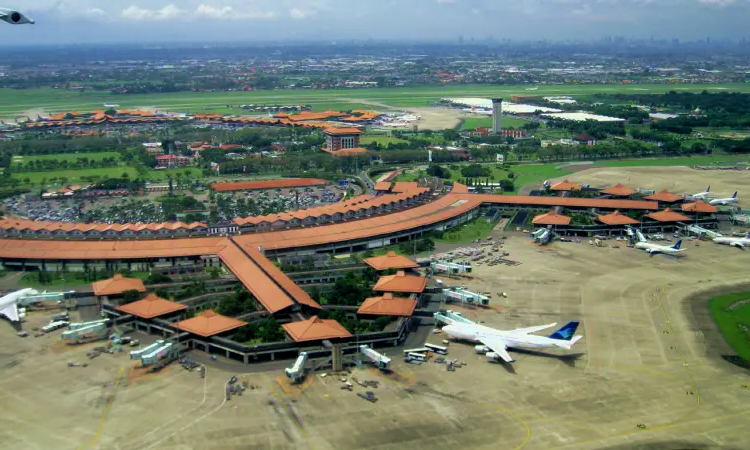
(739,242)
(496,342)
(702,195)
(725,201)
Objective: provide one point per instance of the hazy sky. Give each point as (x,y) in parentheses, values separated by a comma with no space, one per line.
(92,21)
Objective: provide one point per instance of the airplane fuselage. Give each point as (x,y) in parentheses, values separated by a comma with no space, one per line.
(654,248)
(735,242)
(475,333)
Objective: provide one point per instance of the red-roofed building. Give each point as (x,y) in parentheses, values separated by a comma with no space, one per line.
(338,139)
(172,160)
(151,306)
(616,218)
(699,207)
(208,324)
(383,186)
(664,197)
(390,261)
(565,186)
(585,139)
(401,283)
(668,215)
(618,190)
(315,329)
(551,218)
(388,305)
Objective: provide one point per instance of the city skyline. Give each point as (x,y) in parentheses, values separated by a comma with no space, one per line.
(211,21)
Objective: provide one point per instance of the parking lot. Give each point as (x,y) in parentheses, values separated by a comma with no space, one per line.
(647,374)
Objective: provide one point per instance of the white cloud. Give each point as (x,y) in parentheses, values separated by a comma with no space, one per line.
(298,14)
(166,13)
(229,13)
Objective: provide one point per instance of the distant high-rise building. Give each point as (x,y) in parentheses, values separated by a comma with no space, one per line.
(460,40)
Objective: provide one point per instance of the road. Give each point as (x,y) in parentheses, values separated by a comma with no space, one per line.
(368,182)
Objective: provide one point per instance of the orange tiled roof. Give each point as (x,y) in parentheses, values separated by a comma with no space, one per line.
(346,151)
(699,207)
(151,306)
(269,184)
(269,294)
(616,218)
(566,186)
(459,188)
(668,216)
(208,323)
(664,196)
(551,218)
(337,131)
(400,283)
(404,186)
(390,261)
(117,285)
(286,283)
(619,190)
(315,329)
(383,186)
(388,305)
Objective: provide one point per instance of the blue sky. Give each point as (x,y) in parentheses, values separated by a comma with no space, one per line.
(139,21)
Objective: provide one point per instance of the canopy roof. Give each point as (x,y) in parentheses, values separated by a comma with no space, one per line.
(117,285)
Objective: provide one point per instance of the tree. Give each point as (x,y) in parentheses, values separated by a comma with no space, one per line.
(130,296)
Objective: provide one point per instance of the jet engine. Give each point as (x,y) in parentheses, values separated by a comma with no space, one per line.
(491,355)
(481,349)
(14,17)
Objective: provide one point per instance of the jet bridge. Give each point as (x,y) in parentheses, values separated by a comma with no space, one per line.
(86,332)
(160,352)
(465,296)
(381,361)
(700,231)
(297,372)
(448,317)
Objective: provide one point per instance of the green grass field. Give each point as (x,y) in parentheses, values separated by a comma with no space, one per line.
(733,319)
(75,176)
(31,280)
(98,156)
(382,140)
(478,228)
(14,102)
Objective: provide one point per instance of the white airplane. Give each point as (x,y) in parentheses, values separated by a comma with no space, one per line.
(739,242)
(496,342)
(9,303)
(702,195)
(725,201)
(643,244)
(14,17)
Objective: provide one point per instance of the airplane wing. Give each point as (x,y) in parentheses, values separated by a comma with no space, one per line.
(533,329)
(498,346)
(11,312)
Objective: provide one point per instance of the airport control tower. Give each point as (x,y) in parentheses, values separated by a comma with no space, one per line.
(497,113)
